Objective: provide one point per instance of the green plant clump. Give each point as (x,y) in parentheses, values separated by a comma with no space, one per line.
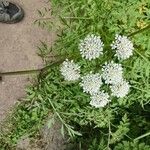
(121,124)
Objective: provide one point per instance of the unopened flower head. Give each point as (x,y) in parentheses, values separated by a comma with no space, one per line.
(121,89)
(91,47)
(91,83)
(123,46)
(70,70)
(112,73)
(99,99)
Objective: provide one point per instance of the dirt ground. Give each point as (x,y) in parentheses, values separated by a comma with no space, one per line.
(18,51)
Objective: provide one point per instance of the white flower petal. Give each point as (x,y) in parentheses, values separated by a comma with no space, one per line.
(70,70)
(123,46)
(91,47)
(121,89)
(99,99)
(91,83)
(112,73)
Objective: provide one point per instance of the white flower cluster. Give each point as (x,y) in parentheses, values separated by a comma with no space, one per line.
(112,73)
(91,47)
(121,89)
(123,46)
(99,99)
(91,83)
(70,70)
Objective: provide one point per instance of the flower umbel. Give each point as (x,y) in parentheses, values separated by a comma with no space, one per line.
(112,73)
(70,70)
(121,89)
(91,47)
(99,99)
(91,83)
(123,46)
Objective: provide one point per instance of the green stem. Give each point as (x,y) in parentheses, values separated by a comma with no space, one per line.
(20,72)
(142,136)
(82,18)
(32,71)
(139,89)
(139,31)
(141,55)
(109,134)
(56,112)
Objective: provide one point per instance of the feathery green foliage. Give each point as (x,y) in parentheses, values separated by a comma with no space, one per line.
(114,126)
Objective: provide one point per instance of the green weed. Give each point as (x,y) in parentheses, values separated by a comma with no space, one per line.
(125,119)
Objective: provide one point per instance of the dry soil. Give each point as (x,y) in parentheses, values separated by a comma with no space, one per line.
(18,51)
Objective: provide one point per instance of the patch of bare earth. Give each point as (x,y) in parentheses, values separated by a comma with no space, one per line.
(48,139)
(18,51)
